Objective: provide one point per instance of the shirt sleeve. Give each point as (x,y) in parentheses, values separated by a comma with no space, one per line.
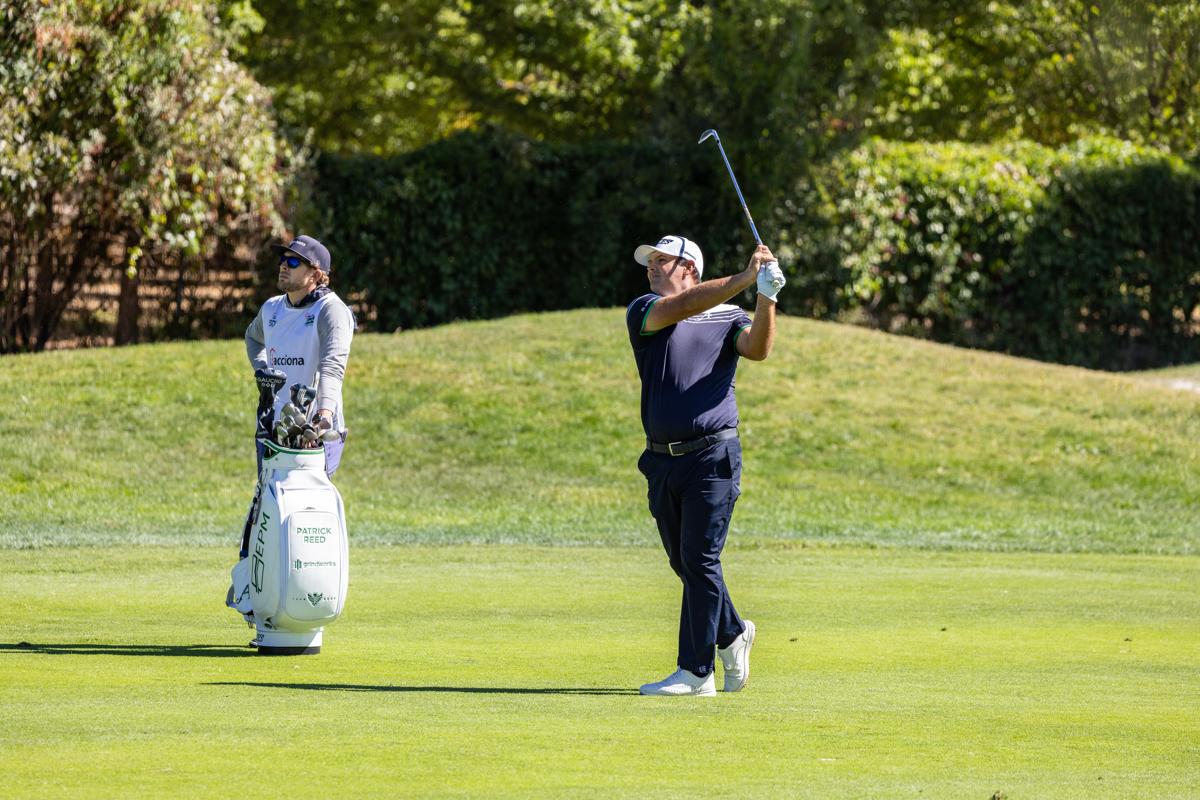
(256,343)
(739,324)
(335,329)
(635,319)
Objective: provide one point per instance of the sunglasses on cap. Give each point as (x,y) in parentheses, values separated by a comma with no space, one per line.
(293,261)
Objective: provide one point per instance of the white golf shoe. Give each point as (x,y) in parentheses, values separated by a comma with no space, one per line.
(682,683)
(736,659)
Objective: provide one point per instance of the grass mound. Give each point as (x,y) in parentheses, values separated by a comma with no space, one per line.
(526,430)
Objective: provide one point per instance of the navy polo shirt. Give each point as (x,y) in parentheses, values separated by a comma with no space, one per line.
(687,371)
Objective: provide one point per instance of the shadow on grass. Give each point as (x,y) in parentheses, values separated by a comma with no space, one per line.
(362,687)
(194,650)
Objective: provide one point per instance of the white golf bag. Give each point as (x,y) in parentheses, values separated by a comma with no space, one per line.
(297,573)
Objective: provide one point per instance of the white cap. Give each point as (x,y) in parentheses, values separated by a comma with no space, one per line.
(674,246)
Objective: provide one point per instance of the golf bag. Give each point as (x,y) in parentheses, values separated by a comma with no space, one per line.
(294,580)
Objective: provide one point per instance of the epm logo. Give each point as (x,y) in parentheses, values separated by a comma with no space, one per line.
(257,565)
(309,319)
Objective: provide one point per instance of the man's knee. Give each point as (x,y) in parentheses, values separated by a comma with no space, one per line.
(698,562)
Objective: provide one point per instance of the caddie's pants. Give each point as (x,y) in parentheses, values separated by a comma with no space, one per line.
(691,497)
(333,457)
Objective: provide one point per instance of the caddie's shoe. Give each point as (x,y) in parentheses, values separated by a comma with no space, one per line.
(682,683)
(736,659)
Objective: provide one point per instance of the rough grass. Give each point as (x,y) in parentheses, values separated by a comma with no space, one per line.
(526,430)
(510,671)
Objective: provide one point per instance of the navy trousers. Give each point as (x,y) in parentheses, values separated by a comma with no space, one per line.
(692,497)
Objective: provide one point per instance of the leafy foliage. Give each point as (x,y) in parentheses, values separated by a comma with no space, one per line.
(491,223)
(129,134)
(378,76)
(1046,71)
(1083,255)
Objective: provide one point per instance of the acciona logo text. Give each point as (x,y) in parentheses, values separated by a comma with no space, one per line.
(288,361)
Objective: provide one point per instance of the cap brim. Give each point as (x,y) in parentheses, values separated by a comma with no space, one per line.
(642,254)
(283,248)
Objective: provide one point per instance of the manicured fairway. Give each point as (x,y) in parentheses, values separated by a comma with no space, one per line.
(506,671)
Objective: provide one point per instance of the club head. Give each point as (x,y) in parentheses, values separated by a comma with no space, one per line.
(270,381)
(709,134)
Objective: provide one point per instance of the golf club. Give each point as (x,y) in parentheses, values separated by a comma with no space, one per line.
(712,134)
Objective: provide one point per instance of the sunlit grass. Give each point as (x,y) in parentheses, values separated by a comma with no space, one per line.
(511,671)
(526,429)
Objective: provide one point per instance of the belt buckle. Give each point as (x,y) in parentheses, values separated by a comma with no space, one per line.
(671,448)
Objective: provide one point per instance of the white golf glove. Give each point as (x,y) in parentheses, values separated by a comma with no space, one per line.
(770,280)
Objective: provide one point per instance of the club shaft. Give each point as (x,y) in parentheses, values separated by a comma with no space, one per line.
(738,189)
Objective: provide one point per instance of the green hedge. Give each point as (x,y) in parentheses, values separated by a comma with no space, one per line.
(1088,255)
(1084,255)
(488,224)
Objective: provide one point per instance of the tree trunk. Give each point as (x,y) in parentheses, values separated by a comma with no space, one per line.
(128,310)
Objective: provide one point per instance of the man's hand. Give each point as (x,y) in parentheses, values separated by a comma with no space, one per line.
(323,420)
(770,280)
(760,256)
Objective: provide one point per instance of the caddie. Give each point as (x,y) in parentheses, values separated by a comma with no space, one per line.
(687,342)
(304,333)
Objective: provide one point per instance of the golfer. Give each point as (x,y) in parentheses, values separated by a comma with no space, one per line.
(304,332)
(687,341)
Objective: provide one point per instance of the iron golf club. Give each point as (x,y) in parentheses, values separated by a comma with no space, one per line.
(712,134)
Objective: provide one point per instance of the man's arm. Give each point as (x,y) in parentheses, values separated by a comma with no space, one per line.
(755,342)
(256,343)
(335,328)
(703,296)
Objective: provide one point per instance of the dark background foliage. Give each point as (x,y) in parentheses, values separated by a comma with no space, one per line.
(1006,175)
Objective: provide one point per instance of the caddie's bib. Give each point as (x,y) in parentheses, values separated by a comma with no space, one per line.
(293,346)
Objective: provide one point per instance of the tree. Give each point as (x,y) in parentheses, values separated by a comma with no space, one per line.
(130,137)
(1046,71)
(378,76)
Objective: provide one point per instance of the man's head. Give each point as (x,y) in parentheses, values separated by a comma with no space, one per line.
(303,265)
(672,265)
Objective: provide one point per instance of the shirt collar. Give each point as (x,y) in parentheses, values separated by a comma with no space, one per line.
(310,298)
